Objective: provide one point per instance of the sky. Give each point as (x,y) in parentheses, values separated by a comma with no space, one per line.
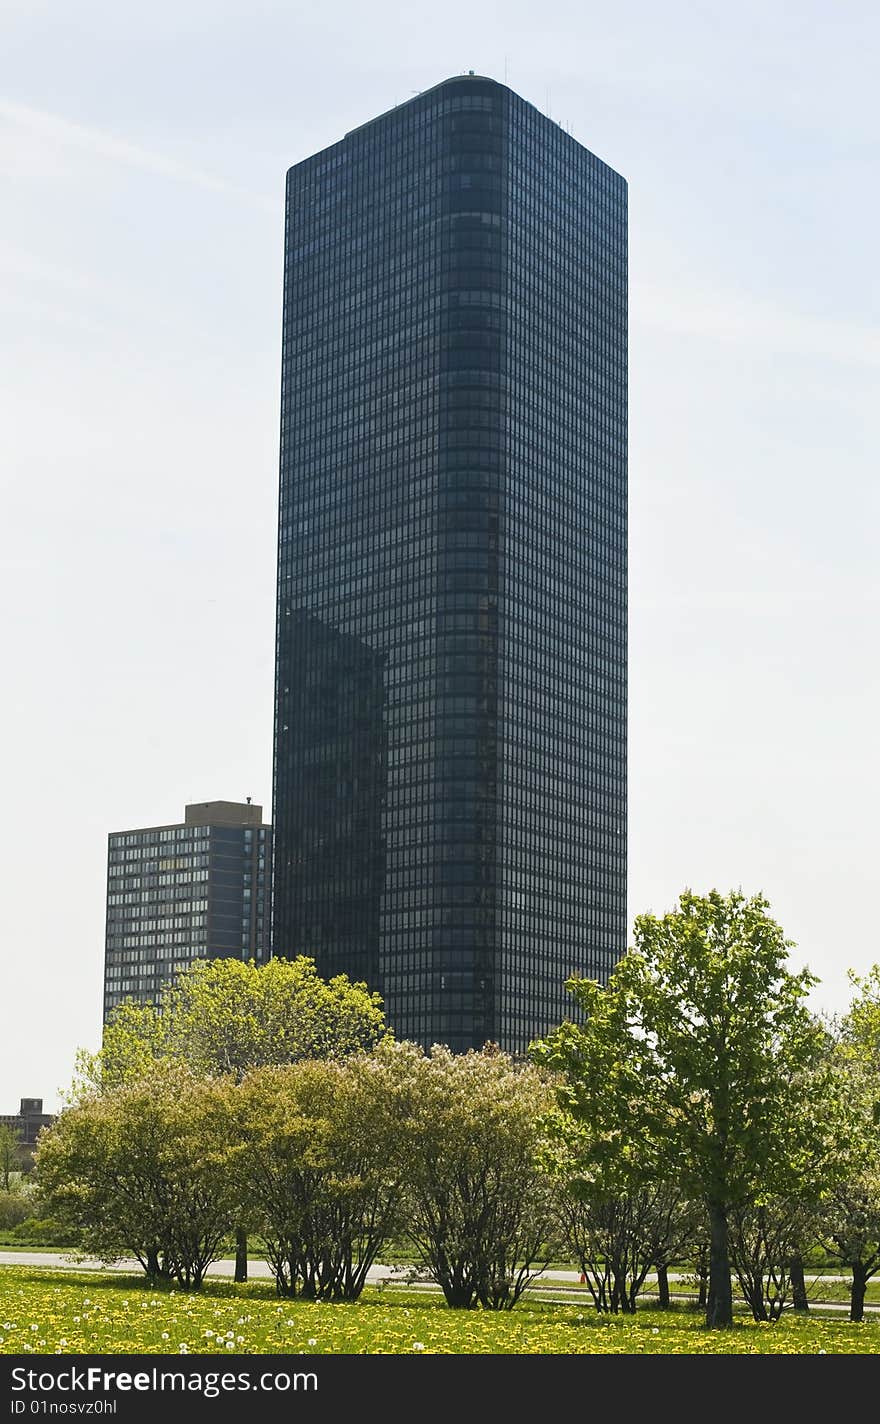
(142,159)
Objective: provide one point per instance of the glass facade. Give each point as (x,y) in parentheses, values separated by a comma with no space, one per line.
(450,721)
(180,893)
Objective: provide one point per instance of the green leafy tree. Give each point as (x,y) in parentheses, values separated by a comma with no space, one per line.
(145,1169)
(850,1225)
(15,1208)
(133,1041)
(850,1231)
(859,1030)
(621,1206)
(10,1138)
(765,1240)
(480,1206)
(321,1165)
(617,1239)
(697,1054)
(224,1016)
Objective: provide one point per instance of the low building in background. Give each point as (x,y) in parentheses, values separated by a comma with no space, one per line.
(26,1124)
(177,893)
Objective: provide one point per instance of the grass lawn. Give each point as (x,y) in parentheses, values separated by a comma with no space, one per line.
(51,1312)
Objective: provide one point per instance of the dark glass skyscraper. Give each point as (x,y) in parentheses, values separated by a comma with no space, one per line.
(450,719)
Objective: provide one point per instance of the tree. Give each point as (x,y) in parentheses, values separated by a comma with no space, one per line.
(322,1166)
(850,1232)
(696,1054)
(860,1027)
(850,1224)
(616,1239)
(765,1240)
(621,1211)
(10,1138)
(145,1169)
(224,1016)
(15,1208)
(480,1207)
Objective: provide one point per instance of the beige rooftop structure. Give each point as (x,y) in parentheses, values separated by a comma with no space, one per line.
(223,813)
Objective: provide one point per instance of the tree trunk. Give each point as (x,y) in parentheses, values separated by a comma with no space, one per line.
(702,1268)
(719,1305)
(857,1291)
(241,1254)
(798,1284)
(663,1285)
(157,1265)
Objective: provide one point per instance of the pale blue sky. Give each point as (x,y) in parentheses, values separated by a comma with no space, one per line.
(142,161)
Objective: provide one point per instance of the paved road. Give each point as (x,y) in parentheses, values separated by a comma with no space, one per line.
(258,1269)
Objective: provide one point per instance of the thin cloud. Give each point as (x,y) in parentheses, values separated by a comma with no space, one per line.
(60,130)
(724,317)
(28,266)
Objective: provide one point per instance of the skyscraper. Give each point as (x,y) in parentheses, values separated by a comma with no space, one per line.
(196,890)
(450,716)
